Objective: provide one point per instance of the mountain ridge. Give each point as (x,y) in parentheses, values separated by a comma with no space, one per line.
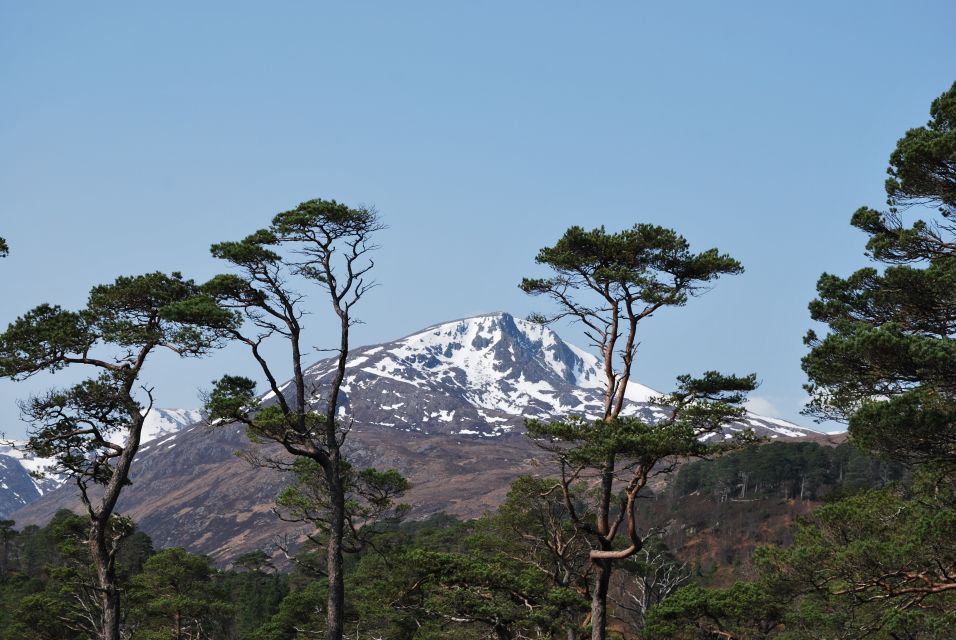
(25,477)
(533,373)
(444,405)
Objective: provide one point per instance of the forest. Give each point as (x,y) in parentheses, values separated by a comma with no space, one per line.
(436,578)
(683,526)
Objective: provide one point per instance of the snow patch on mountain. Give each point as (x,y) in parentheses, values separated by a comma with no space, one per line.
(163,422)
(484,376)
(158,423)
(37,468)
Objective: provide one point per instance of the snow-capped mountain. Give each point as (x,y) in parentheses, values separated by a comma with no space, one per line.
(17,486)
(163,423)
(476,377)
(25,477)
(483,376)
(444,406)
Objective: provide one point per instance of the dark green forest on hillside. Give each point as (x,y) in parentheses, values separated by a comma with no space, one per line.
(786,470)
(438,578)
(684,526)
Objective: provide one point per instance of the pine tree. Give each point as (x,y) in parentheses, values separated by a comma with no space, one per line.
(92,429)
(887,366)
(609,283)
(888,362)
(370,504)
(325,244)
(174,598)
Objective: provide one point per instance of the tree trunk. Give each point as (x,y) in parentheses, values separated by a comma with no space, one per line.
(336,600)
(107,589)
(599,600)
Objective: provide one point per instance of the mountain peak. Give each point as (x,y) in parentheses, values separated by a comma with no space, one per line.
(484,375)
(481,375)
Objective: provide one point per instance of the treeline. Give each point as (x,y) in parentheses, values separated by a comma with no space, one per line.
(789,471)
(518,572)
(707,517)
(440,578)
(47,587)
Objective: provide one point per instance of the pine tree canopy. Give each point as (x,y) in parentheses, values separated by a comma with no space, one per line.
(887,365)
(648,263)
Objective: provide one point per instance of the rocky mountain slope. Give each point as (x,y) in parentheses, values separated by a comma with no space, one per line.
(482,377)
(445,406)
(17,487)
(24,478)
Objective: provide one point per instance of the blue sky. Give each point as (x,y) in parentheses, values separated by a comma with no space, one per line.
(132,137)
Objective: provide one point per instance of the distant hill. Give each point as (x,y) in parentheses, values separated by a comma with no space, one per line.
(24,478)
(444,405)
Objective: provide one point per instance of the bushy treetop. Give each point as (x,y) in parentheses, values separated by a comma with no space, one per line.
(647,263)
(887,365)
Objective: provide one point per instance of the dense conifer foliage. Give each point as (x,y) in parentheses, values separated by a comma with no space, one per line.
(887,364)
(46,591)
(880,563)
(521,572)
(888,361)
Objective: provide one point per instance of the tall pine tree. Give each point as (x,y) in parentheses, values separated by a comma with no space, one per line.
(887,366)
(610,283)
(92,429)
(327,245)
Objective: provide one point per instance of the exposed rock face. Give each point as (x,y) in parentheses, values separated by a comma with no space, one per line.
(483,376)
(17,488)
(444,406)
(19,466)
